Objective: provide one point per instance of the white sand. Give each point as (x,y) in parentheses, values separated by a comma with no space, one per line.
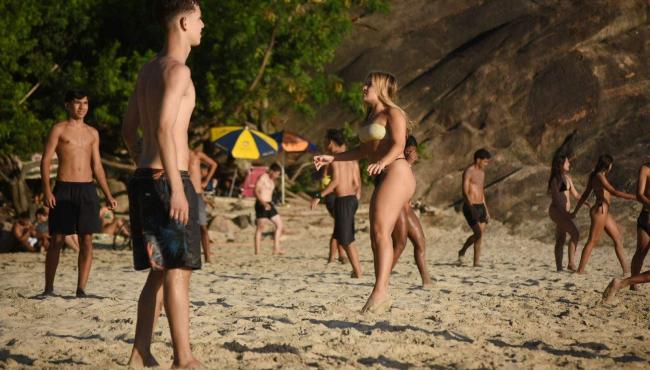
(294,312)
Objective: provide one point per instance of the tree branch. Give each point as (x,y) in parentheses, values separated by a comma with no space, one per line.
(260,71)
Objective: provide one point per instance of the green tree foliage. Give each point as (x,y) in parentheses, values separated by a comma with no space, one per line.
(257,59)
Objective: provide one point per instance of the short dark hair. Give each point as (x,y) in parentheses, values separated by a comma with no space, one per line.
(275,168)
(23,215)
(411,141)
(41,212)
(166,10)
(71,95)
(336,136)
(482,154)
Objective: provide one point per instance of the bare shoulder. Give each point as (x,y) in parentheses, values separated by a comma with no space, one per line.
(177,72)
(59,126)
(394,115)
(468,170)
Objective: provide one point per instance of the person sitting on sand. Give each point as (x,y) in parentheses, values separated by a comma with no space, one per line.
(346,185)
(24,235)
(561,188)
(600,216)
(112,225)
(383,138)
(642,241)
(265,210)
(474,207)
(408,225)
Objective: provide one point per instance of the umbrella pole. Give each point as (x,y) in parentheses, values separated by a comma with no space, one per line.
(232,184)
(282,181)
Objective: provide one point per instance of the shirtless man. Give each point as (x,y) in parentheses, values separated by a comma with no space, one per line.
(346,185)
(163,202)
(264,208)
(197,158)
(474,208)
(74,205)
(643,240)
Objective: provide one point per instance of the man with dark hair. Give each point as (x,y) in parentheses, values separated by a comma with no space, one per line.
(74,205)
(163,202)
(346,185)
(336,136)
(265,210)
(474,208)
(197,161)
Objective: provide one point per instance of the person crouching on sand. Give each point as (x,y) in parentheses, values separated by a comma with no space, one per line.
(561,188)
(383,139)
(474,208)
(600,217)
(642,241)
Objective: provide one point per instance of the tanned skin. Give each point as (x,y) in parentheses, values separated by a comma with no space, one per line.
(160,108)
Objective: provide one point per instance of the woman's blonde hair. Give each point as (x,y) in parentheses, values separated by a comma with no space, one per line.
(386,86)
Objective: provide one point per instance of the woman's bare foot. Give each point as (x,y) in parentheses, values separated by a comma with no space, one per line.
(139,361)
(377,305)
(610,292)
(193,364)
(354,275)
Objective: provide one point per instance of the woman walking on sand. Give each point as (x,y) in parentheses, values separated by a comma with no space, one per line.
(600,217)
(561,188)
(383,138)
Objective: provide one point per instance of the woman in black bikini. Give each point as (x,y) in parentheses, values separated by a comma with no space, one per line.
(408,226)
(600,217)
(383,138)
(560,187)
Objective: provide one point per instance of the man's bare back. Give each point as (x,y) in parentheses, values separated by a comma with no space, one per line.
(346,175)
(475,191)
(151,102)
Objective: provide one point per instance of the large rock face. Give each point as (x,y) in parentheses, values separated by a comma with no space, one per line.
(516,77)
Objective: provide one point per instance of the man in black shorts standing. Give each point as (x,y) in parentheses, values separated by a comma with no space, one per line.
(74,205)
(474,208)
(265,210)
(346,185)
(162,200)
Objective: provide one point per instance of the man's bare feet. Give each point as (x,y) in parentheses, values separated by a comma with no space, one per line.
(461,258)
(611,290)
(377,305)
(427,284)
(571,267)
(139,361)
(80,293)
(279,251)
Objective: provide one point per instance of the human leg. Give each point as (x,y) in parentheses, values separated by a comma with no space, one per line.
(277,220)
(149,305)
(84,262)
(598,218)
(611,228)
(52,262)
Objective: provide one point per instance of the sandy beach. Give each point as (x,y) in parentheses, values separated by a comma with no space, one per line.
(294,311)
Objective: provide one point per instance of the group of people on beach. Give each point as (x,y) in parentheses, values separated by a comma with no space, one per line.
(561,189)
(167,214)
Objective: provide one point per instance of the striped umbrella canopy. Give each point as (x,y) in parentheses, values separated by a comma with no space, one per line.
(242,142)
(293,143)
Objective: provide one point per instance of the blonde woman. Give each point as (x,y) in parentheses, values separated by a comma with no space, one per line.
(383,138)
